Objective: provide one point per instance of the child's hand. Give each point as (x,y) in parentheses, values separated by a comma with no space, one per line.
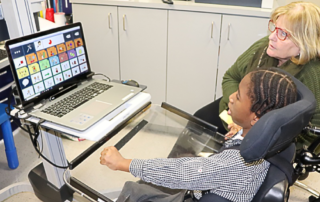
(111,157)
(233,129)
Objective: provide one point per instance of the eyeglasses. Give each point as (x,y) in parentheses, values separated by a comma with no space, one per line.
(281,34)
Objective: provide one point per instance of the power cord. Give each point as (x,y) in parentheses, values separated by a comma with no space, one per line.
(75,189)
(36,133)
(34,143)
(8,112)
(99,74)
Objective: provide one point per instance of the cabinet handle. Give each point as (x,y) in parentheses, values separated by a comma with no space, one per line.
(109,20)
(212,29)
(2,73)
(229,31)
(124,22)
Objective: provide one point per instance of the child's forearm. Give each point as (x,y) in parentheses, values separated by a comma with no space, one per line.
(124,165)
(111,157)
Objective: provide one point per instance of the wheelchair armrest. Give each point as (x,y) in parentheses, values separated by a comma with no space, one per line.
(314,130)
(307,160)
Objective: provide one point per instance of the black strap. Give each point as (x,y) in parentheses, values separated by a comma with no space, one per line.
(130,135)
(283,165)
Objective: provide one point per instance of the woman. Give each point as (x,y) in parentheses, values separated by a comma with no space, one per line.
(293,45)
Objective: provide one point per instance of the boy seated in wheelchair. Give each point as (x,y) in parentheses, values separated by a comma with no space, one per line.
(226,173)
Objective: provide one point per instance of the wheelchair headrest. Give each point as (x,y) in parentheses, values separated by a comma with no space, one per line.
(278,128)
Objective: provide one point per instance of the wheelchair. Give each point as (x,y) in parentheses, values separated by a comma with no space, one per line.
(306,161)
(272,138)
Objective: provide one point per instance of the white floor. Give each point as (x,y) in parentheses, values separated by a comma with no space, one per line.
(28,159)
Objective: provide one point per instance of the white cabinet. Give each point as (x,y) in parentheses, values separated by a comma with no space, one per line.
(238,33)
(143,48)
(100,27)
(193,44)
(180,55)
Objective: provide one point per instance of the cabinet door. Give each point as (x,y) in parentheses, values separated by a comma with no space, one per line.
(193,43)
(237,35)
(100,29)
(143,47)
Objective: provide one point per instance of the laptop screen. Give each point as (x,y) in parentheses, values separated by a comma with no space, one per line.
(44,62)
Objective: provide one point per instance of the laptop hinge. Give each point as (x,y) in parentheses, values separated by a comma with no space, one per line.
(24,108)
(28,106)
(58,94)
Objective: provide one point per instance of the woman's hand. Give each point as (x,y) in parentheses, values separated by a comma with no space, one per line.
(111,157)
(233,129)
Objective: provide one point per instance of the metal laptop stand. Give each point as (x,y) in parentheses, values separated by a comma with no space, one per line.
(163,131)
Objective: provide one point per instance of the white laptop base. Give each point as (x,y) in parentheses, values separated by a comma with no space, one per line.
(106,124)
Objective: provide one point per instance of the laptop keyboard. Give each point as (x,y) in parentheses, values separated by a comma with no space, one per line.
(76,99)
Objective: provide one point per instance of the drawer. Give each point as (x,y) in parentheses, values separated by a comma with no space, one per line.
(4,96)
(5,76)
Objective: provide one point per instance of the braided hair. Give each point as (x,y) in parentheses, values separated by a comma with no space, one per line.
(271,90)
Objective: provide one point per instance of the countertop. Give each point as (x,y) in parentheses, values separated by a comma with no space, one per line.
(182,6)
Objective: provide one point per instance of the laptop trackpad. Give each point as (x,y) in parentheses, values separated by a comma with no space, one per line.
(95,108)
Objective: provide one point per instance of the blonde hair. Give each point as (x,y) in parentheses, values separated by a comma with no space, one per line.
(302,21)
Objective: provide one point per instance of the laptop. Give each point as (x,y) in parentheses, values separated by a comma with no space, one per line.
(54,80)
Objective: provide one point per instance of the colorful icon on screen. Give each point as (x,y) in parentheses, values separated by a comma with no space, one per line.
(70,45)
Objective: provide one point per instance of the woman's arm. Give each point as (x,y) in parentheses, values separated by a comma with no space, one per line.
(238,70)
(310,76)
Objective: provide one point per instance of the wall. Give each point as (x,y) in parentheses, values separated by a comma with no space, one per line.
(277,3)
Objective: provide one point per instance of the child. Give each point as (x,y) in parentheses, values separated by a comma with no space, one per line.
(226,173)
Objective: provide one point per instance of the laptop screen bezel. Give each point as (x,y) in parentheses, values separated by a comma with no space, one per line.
(57,87)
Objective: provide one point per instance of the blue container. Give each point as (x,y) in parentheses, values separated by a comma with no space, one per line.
(11,151)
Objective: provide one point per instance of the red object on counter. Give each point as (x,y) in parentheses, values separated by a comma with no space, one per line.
(50,14)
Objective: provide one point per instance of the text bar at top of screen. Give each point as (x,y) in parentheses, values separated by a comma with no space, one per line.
(43,37)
